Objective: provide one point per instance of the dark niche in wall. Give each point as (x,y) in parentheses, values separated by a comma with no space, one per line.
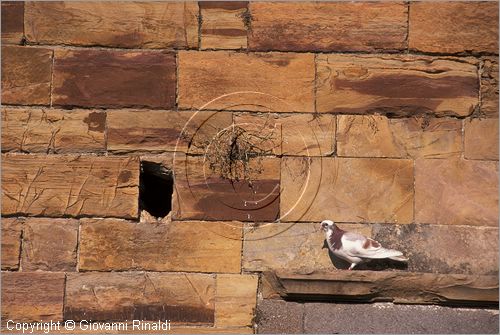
(156,189)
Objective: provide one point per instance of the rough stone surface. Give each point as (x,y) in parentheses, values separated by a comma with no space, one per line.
(456,192)
(379,136)
(443,249)
(49,244)
(114,78)
(236,300)
(173,246)
(32,296)
(396,85)
(201,194)
(280,317)
(126,25)
(12,22)
(481,139)
(223,25)
(293,134)
(386,318)
(346,189)
(220,80)
(70,185)
(135,130)
(181,298)
(53,130)
(11,242)
(296,247)
(26,75)
(489,87)
(453,27)
(319,26)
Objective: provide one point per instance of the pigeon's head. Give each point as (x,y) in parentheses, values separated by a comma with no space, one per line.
(327,224)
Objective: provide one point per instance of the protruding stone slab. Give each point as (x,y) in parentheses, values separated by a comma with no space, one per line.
(26,75)
(456,192)
(328,26)
(453,27)
(32,296)
(56,185)
(481,139)
(379,136)
(11,242)
(123,25)
(114,78)
(49,244)
(53,130)
(173,246)
(236,300)
(346,189)
(396,85)
(181,298)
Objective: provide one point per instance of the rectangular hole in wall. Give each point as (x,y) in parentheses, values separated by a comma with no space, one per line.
(156,185)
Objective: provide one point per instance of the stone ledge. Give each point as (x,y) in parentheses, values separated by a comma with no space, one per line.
(388,286)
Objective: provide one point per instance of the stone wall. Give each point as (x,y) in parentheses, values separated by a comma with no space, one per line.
(122,198)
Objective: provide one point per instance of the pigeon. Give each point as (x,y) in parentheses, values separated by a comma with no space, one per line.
(356,248)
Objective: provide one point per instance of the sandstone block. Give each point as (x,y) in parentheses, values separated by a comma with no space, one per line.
(26,75)
(323,26)
(32,296)
(49,244)
(70,185)
(379,136)
(181,298)
(12,22)
(346,189)
(481,139)
(456,192)
(223,24)
(123,25)
(235,300)
(11,242)
(489,87)
(53,130)
(112,78)
(173,246)
(221,80)
(396,85)
(453,27)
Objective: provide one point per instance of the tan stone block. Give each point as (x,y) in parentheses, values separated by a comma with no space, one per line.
(202,194)
(481,139)
(221,80)
(293,134)
(53,130)
(135,130)
(70,185)
(452,27)
(26,75)
(179,297)
(401,85)
(379,136)
(12,22)
(296,247)
(49,244)
(443,249)
(223,25)
(457,192)
(328,26)
(172,246)
(114,78)
(236,300)
(347,189)
(489,87)
(32,296)
(123,24)
(11,242)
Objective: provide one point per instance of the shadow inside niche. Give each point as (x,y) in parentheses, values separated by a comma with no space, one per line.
(372,265)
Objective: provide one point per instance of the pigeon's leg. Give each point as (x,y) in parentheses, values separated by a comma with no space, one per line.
(352,266)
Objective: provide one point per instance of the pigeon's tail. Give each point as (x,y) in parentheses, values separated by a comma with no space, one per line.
(389,253)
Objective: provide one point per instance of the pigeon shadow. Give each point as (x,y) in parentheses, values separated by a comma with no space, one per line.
(371,265)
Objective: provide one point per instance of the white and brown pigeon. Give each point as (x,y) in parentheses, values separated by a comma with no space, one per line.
(356,248)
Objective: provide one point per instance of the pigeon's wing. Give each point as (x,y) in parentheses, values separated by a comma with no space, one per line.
(356,245)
